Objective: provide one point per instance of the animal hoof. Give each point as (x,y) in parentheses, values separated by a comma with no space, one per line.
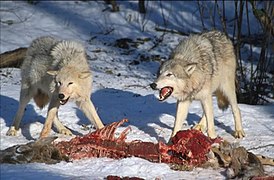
(239,134)
(66,132)
(12,131)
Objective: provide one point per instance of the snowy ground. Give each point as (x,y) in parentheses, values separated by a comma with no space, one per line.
(121,85)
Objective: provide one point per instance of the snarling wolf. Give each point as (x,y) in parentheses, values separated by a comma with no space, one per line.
(55,71)
(200,66)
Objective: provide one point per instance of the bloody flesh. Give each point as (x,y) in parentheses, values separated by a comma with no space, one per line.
(188,147)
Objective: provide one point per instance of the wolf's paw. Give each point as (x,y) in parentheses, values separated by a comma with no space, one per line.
(239,134)
(12,131)
(212,134)
(199,127)
(65,132)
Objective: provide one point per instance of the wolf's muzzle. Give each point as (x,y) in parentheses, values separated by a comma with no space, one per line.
(153,86)
(62,100)
(61,96)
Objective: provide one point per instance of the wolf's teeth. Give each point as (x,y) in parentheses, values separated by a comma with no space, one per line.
(161,98)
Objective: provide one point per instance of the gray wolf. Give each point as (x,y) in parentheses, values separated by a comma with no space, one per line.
(55,72)
(198,67)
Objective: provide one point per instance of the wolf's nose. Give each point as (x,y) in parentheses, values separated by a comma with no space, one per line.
(61,96)
(153,85)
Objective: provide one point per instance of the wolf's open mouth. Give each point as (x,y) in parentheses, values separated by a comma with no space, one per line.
(64,101)
(165,92)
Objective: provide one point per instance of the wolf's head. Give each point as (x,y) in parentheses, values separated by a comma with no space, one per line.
(71,83)
(173,79)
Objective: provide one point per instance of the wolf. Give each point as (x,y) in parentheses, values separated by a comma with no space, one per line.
(55,72)
(200,66)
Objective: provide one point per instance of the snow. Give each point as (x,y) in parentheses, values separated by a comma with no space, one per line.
(120,88)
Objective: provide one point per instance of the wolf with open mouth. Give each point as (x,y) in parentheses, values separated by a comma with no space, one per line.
(200,66)
(55,71)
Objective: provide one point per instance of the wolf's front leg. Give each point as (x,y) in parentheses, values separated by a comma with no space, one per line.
(60,127)
(208,111)
(89,110)
(25,96)
(181,114)
(52,114)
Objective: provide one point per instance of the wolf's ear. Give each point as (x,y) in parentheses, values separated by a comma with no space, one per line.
(189,69)
(84,74)
(53,73)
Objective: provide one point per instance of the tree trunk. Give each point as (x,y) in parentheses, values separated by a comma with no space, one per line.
(12,58)
(115,7)
(142,8)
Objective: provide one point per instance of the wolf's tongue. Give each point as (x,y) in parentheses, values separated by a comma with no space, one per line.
(165,92)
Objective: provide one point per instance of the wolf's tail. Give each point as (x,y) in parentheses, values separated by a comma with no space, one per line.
(41,99)
(222,100)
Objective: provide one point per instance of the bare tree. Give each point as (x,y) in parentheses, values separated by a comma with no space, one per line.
(142,8)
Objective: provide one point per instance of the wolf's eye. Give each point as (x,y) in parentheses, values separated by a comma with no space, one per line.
(59,83)
(169,74)
(70,83)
